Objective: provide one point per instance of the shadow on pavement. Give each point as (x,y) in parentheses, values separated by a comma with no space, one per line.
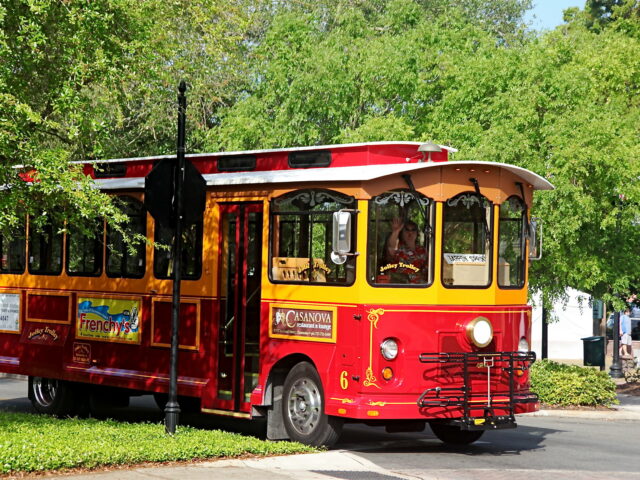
(364,439)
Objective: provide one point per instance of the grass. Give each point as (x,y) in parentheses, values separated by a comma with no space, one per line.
(38,443)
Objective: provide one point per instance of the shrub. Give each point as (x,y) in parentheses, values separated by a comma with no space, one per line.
(565,385)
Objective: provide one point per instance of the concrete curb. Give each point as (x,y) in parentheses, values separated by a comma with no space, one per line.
(614,414)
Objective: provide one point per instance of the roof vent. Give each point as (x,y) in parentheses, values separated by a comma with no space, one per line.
(110,170)
(310,159)
(241,163)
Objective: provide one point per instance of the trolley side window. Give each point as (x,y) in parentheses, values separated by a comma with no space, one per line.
(45,248)
(302,237)
(84,251)
(122,260)
(466,241)
(191,266)
(400,239)
(13,250)
(511,243)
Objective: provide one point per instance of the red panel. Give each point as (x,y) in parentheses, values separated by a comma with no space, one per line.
(48,307)
(162,324)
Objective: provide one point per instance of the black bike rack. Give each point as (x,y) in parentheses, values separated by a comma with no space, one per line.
(463,396)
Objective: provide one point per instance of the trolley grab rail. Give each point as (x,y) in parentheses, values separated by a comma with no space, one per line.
(463,396)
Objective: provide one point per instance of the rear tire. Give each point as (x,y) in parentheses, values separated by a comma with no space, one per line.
(453,435)
(303,408)
(51,396)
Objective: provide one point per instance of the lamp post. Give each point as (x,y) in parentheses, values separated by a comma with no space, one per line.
(172,408)
(616,367)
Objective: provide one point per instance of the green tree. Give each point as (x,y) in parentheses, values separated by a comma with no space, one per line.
(367,74)
(563,104)
(82,80)
(51,51)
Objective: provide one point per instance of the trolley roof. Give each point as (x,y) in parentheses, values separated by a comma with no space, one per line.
(346,174)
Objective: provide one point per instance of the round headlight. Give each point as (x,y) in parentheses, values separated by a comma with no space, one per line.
(389,349)
(480,332)
(523,345)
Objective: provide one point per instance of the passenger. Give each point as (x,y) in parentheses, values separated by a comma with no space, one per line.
(406,259)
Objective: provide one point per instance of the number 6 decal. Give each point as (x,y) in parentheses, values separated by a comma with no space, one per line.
(344,383)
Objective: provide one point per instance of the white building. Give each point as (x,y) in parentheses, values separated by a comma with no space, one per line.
(574,321)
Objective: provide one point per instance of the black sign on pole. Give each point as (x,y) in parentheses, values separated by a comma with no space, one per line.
(159,195)
(175,195)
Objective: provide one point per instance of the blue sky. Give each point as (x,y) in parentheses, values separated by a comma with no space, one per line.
(548,13)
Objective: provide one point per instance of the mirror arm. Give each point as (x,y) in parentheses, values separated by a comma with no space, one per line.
(476,187)
(427,225)
(526,209)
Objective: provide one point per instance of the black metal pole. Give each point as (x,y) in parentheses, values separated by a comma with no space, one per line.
(172,409)
(616,367)
(545,335)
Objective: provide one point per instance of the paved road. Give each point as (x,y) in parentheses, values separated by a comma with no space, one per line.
(548,447)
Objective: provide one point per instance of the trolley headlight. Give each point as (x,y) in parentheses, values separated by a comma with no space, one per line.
(523,345)
(480,332)
(389,349)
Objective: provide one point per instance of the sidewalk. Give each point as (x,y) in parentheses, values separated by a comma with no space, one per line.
(335,464)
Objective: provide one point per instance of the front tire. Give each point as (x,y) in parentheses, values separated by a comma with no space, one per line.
(51,396)
(303,408)
(453,435)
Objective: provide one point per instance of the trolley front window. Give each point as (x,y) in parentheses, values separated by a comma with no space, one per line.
(511,243)
(466,241)
(400,237)
(302,238)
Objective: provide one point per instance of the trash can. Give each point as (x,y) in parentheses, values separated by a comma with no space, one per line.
(593,351)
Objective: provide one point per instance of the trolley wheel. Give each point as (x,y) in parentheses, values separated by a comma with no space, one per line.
(51,396)
(303,408)
(453,435)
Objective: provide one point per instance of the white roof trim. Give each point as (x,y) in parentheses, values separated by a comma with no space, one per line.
(256,152)
(343,174)
(538,182)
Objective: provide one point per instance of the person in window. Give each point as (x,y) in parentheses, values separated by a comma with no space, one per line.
(407,261)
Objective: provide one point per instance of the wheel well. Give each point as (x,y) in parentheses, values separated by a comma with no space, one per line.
(273,394)
(279,372)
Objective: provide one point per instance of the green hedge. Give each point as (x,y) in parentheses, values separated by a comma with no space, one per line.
(37,443)
(566,385)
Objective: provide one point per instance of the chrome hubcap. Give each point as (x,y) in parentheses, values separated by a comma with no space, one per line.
(305,405)
(44,390)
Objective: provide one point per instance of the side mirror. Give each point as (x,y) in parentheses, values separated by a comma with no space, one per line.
(341,236)
(535,239)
